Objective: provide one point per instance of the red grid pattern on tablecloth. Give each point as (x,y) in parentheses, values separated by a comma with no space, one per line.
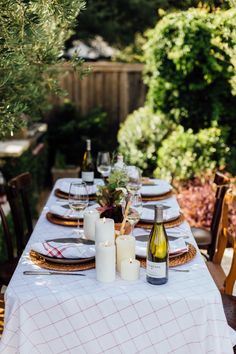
(74,315)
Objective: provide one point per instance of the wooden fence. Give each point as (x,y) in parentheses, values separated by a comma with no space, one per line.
(116,87)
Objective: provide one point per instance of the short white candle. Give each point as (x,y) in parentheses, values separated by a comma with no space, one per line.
(104,230)
(125,248)
(130,269)
(90,218)
(105,262)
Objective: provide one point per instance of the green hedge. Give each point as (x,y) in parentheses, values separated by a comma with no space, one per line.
(68,131)
(190,67)
(185,155)
(188,124)
(191,70)
(141,135)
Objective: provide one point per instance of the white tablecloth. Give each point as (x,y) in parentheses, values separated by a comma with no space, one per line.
(69,314)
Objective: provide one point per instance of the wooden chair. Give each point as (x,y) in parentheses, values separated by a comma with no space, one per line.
(207,239)
(8,266)
(2,311)
(224,282)
(17,194)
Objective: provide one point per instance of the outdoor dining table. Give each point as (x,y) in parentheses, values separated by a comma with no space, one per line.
(73,314)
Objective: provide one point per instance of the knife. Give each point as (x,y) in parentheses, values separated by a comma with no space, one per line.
(39,272)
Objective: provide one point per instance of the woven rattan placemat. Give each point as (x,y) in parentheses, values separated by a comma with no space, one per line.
(178,260)
(157,197)
(63,195)
(61,221)
(43,263)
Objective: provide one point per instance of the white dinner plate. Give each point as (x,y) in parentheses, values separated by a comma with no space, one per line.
(66,260)
(65,188)
(160,187)
(169,214)
(63,211)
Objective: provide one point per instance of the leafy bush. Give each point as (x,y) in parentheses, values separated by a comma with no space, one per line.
(141,135)
(68,130)
(189,67)
(118,21)
(37,166)
(31,43)
(184,154)
(191,70)
(197,198)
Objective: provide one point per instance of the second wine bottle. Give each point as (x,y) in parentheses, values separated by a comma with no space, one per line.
(87,170)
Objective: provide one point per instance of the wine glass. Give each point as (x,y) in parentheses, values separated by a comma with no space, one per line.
(104,164)
(78,200)
(135,179)
(135,210)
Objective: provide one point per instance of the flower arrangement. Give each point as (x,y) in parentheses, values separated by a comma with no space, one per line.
(112,194)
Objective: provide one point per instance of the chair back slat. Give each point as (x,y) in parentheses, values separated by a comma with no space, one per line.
(17,194)
(216,217)
(231,277)
(7,236)
(222,188)
(223,240)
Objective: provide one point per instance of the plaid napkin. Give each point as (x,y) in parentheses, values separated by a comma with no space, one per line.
(64,250)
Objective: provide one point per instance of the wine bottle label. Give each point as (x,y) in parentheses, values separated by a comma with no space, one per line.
(87,176)
(156,270)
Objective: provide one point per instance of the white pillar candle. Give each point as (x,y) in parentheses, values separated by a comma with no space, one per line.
(90,218)
(129,269)
(105,262)
(125,248)
(104,230)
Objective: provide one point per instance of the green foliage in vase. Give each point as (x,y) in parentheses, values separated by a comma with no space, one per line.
(190,65)
(184,155)
(31,44)
(114,191)
(141,135)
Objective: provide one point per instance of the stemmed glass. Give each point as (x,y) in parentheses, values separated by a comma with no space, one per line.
(135,179)
(135,210)
(78,200)
(104,164)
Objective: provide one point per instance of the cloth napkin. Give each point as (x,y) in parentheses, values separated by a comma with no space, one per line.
(175,247)
(168,214)
(64,250)
(65,187)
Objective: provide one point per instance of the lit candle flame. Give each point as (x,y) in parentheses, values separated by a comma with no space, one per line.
(11,133)
(104,220)
(130,260)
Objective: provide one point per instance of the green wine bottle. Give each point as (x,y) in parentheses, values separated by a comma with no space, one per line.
(157,251)
(87,172)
